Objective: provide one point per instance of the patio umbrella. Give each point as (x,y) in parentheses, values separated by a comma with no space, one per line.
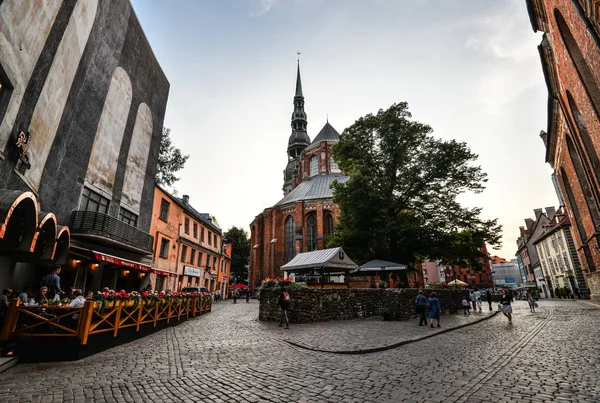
(237,286)
(458,283)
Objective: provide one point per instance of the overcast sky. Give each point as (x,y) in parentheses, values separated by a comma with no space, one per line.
(470,69)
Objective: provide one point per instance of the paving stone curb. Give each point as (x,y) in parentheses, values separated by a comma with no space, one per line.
(391,346)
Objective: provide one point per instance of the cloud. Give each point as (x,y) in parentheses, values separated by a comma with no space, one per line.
(264,7)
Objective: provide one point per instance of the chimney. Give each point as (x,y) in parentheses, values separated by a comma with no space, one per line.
(538,213)
(550,212)
(186,199)
(529,223)
(544,137)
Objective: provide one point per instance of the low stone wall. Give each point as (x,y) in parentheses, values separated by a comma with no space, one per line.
(320,305)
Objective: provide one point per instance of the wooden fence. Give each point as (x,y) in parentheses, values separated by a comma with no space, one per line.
(92,318)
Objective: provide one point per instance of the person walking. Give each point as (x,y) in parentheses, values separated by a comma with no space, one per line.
(466,306)
(235,296)
(434,306)
(247,295)
(488,296)
(52,282)
(421,302)
(478,295)
(506,307)
(473,297)
(284,303)
(531,301)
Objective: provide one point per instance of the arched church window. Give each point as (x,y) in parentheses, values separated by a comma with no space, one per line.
(334,166)
(329,224)
(578,59)
(312,233)
(290,229)
(584,134)
(314,165)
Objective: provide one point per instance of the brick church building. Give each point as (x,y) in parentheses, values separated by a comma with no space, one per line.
(306,215)
(570,55)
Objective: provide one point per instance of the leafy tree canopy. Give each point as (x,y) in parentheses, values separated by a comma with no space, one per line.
(240,254)
(170,160)
(400,202)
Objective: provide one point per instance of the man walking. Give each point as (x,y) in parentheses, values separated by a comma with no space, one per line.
(473,297)
(421,302)
(284,304)
(488,296)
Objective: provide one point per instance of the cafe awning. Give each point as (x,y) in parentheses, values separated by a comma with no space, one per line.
(130,264)
(330,260)
(375,266)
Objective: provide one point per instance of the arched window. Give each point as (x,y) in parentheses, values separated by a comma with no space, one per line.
(584,134)
(312,233)
(578,221)
(314,165)
(329,224)
(290,230)
(333,165)
(579,61)
(584,183)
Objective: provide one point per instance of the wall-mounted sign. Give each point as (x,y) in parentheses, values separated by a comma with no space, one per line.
(164,273)
(191,271)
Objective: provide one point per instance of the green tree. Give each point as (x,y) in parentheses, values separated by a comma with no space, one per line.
(400,201)
(170,160)
(240,254)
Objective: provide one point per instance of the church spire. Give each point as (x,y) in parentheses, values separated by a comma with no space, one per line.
(299,83)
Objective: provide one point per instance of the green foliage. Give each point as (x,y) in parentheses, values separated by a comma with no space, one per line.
(400,202)
(295,286)
(270,283)
(170,160)
(382,284)
(240,254)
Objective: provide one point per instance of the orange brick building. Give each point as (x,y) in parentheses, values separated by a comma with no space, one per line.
(306,215)
(189,249)
(570,55)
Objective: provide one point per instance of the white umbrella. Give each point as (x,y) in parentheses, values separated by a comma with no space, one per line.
(458,282)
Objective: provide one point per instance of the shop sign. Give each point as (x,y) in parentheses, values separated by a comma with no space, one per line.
(164,273)
(121,262)
(191,271)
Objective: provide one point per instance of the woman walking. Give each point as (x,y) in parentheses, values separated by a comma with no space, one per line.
(434,306)
(506,307)
(531,301)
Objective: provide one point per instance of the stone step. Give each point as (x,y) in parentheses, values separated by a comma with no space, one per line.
(7,362)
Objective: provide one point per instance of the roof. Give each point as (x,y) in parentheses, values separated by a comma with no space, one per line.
(332,259)
(381,265)
(315,187)
(327,133)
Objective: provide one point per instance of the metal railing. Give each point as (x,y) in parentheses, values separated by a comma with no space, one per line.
(94,223)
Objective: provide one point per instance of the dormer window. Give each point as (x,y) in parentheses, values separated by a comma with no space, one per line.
(334,166)
(314,165)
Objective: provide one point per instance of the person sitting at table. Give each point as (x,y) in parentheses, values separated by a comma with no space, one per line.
(78,302)
(42,297)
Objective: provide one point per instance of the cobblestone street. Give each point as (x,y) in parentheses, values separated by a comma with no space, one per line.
(228,356)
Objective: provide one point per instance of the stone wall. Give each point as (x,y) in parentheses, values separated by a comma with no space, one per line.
(320,305)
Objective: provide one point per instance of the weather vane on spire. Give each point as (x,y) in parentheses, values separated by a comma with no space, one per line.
(298,56)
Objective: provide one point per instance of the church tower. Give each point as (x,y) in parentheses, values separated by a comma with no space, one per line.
(298,141)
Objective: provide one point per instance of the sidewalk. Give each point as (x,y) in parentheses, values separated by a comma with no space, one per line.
(372,334)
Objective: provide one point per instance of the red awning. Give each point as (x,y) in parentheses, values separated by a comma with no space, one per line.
(164,273)
(130,264)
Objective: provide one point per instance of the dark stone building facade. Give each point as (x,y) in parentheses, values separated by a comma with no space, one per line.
(82,104)
(307,214)
(570,55)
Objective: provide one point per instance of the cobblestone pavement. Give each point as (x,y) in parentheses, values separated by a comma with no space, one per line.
(228,356)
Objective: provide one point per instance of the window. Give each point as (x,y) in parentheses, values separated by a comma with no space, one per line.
(588,144)
(183,253)
(164,210)
(329,224)
(164,248)
(333,165)
(314,165)
(424,271)
(186,225)
(92,201)
(290,229)
(215,244)
(312,233)
(209,238)
(199,259)
(128,217)
(201,234)
(195,230)
(193,256)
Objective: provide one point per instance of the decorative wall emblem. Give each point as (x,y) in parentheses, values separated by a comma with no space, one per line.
(21,144)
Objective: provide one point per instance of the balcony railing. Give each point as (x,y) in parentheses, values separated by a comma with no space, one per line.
(100,224)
